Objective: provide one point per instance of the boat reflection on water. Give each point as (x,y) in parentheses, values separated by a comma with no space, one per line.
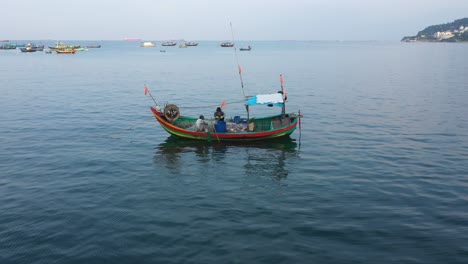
(265,158)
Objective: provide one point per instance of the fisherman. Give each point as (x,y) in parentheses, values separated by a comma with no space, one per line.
(219,114)
(201,125)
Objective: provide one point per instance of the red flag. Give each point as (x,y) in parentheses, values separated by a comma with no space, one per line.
(282,88)
(146,89)
(223,105)
(240,69)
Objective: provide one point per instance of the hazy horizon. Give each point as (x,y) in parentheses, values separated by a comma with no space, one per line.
(207,20)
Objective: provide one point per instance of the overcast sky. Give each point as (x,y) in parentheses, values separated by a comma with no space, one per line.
(209,19)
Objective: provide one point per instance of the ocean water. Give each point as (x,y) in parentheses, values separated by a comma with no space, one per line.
(378,172)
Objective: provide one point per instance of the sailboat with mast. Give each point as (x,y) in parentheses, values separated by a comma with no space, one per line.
(237,129)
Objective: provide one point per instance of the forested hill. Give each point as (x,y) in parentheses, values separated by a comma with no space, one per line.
(456,31)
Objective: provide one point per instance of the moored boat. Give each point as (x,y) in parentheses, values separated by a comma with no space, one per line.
(7,47)
(248,48)
(169,43)
(191,44)
(94,46)
(227,44)
(29,48)
(60,45)
(183,46)
(66,51)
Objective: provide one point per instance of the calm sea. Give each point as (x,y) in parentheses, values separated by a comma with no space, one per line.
(378,172)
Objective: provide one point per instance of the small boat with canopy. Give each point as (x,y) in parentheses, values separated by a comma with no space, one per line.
(234,129)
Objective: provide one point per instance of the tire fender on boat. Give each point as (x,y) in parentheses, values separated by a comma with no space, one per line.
(171,112)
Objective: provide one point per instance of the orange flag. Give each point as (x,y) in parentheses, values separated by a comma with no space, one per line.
(146,89)
(223,105)
(240,69)
(281,78)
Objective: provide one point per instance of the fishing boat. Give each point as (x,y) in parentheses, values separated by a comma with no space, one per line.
(65,51)
(248,48)
(7,47)
(60,45)
(94,46)
(227,44)
(235,129)
(191,44)
(169,43)
(29,48)
(183,46)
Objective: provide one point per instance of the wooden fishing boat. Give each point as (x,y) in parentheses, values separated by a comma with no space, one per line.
(60,46)
(234,129)
(29,48)
(169,43)
(65,51)
(227,44)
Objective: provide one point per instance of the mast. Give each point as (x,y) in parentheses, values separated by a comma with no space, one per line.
(283,91)
(240,71)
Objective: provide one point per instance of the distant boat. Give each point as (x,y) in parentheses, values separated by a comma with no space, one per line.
(162,50)
(96,46)
(183,46)
(61,45)
(29,48)
(227,44)
(248,48)
(7,47)
(191,44)
(132,39)
(169,43)
(48,51)
(147,44)
(65,51)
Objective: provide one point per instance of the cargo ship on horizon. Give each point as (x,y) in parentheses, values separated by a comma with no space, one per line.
(132,39)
